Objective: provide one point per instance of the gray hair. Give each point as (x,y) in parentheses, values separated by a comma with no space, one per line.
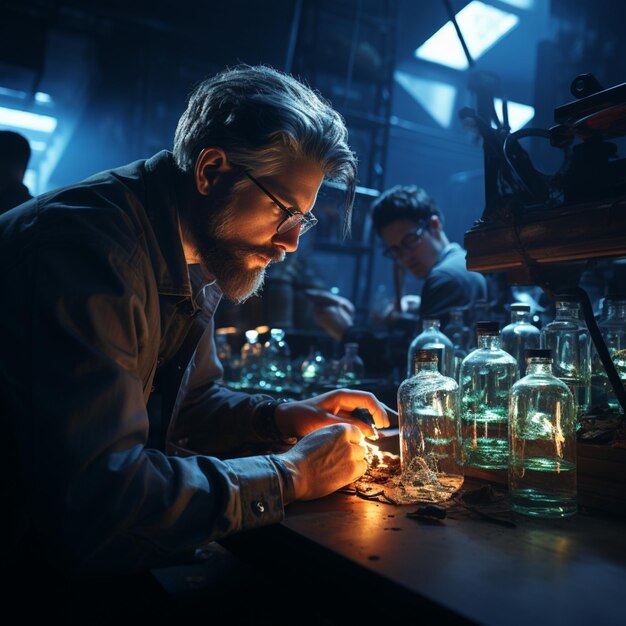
(259,117)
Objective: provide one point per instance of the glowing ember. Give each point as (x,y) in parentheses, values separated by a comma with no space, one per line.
(373,455)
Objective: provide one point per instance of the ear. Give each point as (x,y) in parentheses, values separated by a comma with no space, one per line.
(210,165)
(434,225)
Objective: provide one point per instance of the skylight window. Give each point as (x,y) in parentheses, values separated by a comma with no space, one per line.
(519,114)
(436,97)
(30,121)
(482,27)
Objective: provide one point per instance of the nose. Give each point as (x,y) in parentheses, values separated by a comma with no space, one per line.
(289,240)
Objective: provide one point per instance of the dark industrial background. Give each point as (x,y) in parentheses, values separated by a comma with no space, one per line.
(116,75)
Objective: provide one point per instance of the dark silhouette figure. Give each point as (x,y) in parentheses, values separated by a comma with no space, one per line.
(14,157)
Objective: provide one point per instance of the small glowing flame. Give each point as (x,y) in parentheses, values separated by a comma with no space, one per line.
(372,452)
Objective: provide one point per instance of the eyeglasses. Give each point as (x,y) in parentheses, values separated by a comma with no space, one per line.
(294,218)
(408,242)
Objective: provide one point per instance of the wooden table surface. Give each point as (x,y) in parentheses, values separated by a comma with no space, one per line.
(468,569)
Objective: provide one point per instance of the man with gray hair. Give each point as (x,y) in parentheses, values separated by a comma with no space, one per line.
(127,452)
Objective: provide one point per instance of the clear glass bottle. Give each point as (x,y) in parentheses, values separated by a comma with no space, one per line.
(613,330)
(428,410)
(568,338)
(542,440)
(313,367)
(487,375)
(251,359)
(520,335)
(276,365)
(432,338)
(351,369)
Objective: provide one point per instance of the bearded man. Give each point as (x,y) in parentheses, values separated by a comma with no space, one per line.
(123,451)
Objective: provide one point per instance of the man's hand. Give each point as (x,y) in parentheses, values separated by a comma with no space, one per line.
(326,460)
(297,419)
(335,314)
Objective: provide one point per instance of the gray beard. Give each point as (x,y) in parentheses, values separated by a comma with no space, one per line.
(223,256)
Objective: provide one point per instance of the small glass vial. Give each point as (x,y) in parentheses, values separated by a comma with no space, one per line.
(428,410)
(613,330)
(313,367)
(520,335)
(351,369)
(276,368)
(568,338)
(542,438)
(432,338)
(251,359)
(487,375)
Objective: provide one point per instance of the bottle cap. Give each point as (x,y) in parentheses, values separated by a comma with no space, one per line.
(538,353)
(426,356)
(488,328)
(518,306)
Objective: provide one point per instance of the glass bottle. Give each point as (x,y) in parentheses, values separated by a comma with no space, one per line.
(432,338)
(460,336)
(251,359)
(486,377)
(276,367)
(613,330)
(568,338)
(520,335)
(542,439)
(313,368)
(428,410)
(351,369)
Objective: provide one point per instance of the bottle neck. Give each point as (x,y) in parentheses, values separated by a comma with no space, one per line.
(425,366)
(520,317)
(538,366)
(488,341)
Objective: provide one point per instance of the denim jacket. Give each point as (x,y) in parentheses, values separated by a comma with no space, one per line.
(121,435)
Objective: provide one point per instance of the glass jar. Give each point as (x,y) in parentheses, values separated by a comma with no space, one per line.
(276,364)
(542,438)
(487,375)
(428,409)
(568,338)
(520,335)
(350,369)
(613,330)
(313,367)
(432,338)
(251,360)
